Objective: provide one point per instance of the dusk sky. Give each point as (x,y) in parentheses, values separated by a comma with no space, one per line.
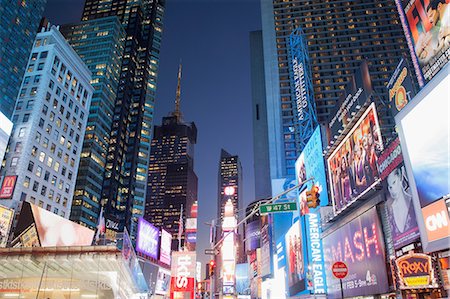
(211,38)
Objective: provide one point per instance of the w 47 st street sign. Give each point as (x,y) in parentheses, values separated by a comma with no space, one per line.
(278,207)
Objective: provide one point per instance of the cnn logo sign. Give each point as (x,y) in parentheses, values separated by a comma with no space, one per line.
(437,220)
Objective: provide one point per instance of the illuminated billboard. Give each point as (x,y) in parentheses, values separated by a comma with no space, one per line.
(166,247)
(54,230)
(182,282)
(295,259)
(6,218)
(400,88)
(427,29)
(399,202)
(252,235)
(147,239)
(352,167)
(425,140)
(359,244)
(5,132)
(162,282)
(8,185)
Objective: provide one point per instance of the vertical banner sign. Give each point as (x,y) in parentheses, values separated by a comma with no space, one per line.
(315,253)
(427,29)
(182,282)
(8,185)
(6,217)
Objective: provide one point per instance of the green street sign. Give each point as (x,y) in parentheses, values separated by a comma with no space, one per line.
(278,207)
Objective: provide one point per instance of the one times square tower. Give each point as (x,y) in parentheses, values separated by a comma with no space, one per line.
(124,186)
(172,182)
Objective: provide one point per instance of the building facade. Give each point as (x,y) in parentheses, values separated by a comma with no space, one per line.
(49,124)
(19,22)
(338,36)
(125,182)
(172,183)
(229,186)
(100,44)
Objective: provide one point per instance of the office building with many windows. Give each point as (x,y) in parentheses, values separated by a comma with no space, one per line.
(125,182)
(100,44)
(49,124)
(19,22)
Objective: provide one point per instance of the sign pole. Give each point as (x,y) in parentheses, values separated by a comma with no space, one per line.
(342,289)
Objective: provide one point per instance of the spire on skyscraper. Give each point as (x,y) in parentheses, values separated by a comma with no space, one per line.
(177,111)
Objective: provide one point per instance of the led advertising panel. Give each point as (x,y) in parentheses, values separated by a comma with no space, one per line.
(266,247)
(400,87)
(311,164)
(399,202)
(182,282)
(359,244)
(166,247)
(295,259)
(426,140)
(352,167)
(54,230)
(8,185)
(162,282)
(253,235)
(6,218)
(242,280)
(147,239)
(283,221)
(427,29)
(355,95)
(5,131)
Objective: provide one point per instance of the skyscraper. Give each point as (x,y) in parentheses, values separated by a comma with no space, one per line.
(19,22)
(172,182)
(339,36)
(125,181)
(100,44)
(50,120)
(229,186)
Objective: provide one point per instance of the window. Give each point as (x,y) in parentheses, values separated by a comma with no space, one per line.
(60,184)
(43,55)
(26,182)
(23,92)
(21,132)
(63,171)
(34,56)
(67,188)
(48,129)
(42,156)
(49,207)
(48,96)
(37,138)
(30,166)
(19,105)
(52,148)
(54,180)
(26,80)
(46,176)
(14,161)
(51,84)
(38,171)
(58,91)
(58,198)
(45,142)
(40,66)
(45,109)
(18,148)
(56,167)
(26,117)
(50,194)
(69,176)
(34,151)
(52,116)
(65,200)
(37,78)
(41,123)
(49,161)
(43,190)
(59,154)
(55,211)
(72,162)
(32,199)
(35,186)
(33,92)
(62,139)
(30,68)
(30,104)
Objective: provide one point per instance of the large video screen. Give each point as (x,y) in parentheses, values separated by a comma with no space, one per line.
(426,141)
(54,230)
(352,167)
(147,239)
(427,28)
(166,247)
(6,217)
(295,259)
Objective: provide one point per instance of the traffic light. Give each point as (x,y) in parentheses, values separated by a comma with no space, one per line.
(312,197)
(212,266)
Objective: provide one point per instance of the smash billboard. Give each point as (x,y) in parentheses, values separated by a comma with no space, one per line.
(352,167)
(427,29)
(358,243)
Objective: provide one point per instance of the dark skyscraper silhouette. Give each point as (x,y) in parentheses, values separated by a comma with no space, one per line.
(124,184)
(172,183)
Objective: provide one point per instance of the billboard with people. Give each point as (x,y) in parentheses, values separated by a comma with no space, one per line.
(352,167)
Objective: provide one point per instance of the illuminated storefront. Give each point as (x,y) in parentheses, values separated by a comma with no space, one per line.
(102,272)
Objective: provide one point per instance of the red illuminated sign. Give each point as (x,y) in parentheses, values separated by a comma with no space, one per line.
(7,190)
